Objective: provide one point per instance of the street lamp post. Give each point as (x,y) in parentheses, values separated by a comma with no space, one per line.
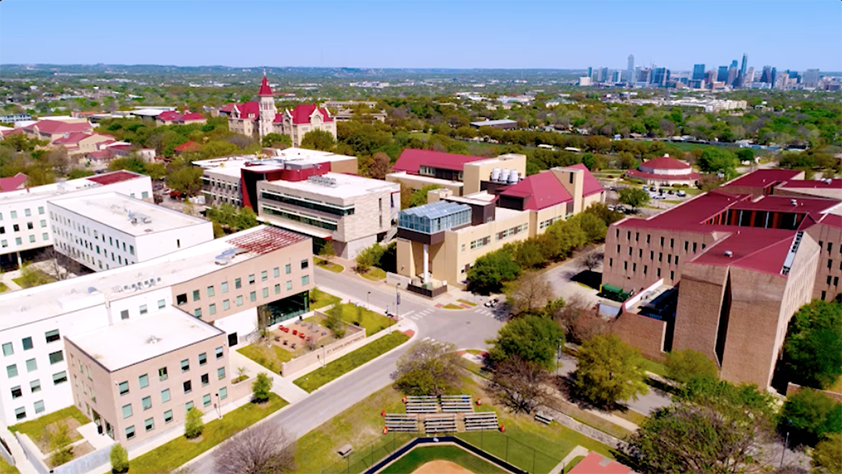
(367,302)
(786,441)
(397,303)
(558,356)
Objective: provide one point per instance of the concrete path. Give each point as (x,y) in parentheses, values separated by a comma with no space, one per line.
(577,451)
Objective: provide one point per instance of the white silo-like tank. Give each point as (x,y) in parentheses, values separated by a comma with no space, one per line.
(495,174)
(504,175)
(513,177)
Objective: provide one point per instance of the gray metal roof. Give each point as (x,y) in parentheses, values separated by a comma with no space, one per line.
(436,209)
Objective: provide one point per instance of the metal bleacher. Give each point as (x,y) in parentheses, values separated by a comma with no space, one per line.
(402,423)
(421,405)
(481,421)
(441,423)
(456,404)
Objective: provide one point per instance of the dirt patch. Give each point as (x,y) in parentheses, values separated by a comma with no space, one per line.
(441,467)
(43,441)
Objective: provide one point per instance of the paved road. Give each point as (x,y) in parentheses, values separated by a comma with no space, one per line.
(466,329)
(560,277)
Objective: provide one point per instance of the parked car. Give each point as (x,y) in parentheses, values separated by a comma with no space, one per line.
(681,194)
(671,192)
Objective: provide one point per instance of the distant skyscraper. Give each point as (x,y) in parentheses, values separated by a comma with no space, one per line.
(590,72)
(722,75)
(766,75)
(698,72)
(603,75)
(616,76)
(774,75)
(643,75)
(744,65)
(810,79)
(660,76)
(630,69)
(749,76)
(734,64)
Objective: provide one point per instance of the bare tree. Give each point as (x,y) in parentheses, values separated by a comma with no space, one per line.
(580,320)
(519,383)
(59,265)
(379,167)
(261,449)
(593,260)
(428,368)
(530,292)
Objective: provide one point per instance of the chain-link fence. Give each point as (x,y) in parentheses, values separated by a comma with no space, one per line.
(497,444)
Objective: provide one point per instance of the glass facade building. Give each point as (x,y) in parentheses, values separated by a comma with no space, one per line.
(435,217)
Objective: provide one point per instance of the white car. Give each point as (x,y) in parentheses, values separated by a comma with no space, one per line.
(681,194)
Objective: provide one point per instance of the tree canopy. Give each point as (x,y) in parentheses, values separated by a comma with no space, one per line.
(531,338)
(634,197)
(813,346)
(318,140)
(428,368)
(809,416)
(609,371)
(683,366)
(490,271)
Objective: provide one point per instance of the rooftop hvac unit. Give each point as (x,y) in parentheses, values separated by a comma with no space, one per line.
(495,174)
(504,175)
(513,177)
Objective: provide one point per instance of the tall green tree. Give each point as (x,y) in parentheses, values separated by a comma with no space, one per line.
(634,197)
(261,388)
(193,424)
(827,455)
(609,371)
(810,416)
(276,140)
(490,271)
(683,366)
(428,368)
(119,459)
(531,338)
(714,160)
(318,140)
(813,346)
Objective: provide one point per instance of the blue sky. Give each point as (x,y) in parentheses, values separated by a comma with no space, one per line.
(456,34)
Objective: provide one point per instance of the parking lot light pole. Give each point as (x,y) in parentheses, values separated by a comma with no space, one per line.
(367,302)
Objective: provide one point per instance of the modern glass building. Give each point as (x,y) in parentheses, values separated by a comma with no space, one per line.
(435,217)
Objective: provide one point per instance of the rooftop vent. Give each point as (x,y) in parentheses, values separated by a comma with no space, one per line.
(793,202)
(729,253)
(153,340)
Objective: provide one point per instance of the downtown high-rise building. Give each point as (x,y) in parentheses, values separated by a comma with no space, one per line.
(722,74)
(810,78)
(698,72)
(630,69)
(660,76)
(766,75)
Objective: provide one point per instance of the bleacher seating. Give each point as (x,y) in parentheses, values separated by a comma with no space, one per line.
(421,405)
(402,423)
(481,421)
(443,423)
(456,404)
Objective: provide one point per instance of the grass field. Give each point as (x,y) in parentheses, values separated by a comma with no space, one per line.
(452,306)
(36,428)
(573,463)
(334,267)
(3,287)
(655,367)
(422,455)
(270,357)
(371,321)
(175,453)
(350,361)
(374,274)
(38,278)
(5,468)
(320,299)
(466,302)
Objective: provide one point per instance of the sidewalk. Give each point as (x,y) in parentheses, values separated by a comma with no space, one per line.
(281,386)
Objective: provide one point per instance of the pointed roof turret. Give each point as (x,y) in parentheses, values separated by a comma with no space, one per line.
(265,90)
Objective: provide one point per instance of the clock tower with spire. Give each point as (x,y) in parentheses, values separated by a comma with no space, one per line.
(267,108)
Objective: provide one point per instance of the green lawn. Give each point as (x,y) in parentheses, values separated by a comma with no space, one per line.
(573,463)
(37,278)
(3,287)
(36,428)
(350,361)
(422,455)
(655,367)
(320,299)
(270,357)
(374,274)
(171,455)
(452,306)
(466,302)
(371,321)
(334,267)
(5,468)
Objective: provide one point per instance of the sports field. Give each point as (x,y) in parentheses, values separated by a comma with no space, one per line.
(444,459)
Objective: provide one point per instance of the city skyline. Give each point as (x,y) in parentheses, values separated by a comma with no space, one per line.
(380,38)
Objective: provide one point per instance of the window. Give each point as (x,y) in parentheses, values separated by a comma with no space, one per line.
(226,305)
(196,295)
(305,264)
(197,312)
(165,395)
(167,416)
(223,393)
(220,373)
(212,309)
(264,275)
(127,411)
(181,299)
(210,291)
(188,406)
(16,392)
(277,288)
(12,370)
(35,386)
(237,283)
(276,272)
(52,336)
(7,349)
(239,301)
(27,212)
(41,210)
(56,357)
(205,379)
(289,284)
(124,314)
(124,388)
(206,399)
(188,387)
(143,381)
(143,309)
(20,413)
(203,358)
(161,304)
(224,286)
(252,296)
(39,406)
(147,403)
(305,280)
(45,236)
(31,365)
(185,365)
(251,279)
(149,424)
(162,374)
(219,352)
(130,432)
(288,269)
(131,249)
(27,343)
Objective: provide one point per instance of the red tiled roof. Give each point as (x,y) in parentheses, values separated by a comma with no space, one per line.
(265,90)
(53,126)
(665,162)
(6,133)
(301,113)
(189,146)
(763,178)
(590,184)
(754,248)
(100,155)
(813,184)
(411,159)
(539,191)
(692,176)
(248,108)
(227,107)
(169,116)
(192,116)
(12,182)
(832,220)
(72,139)
(115,177)
(595,463)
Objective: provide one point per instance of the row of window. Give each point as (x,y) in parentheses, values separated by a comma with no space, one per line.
(19,241)
(210,291)
(26,213)
(652,255)
(314,221)
(73,225)
(35,387)
(645,268)
(549,222)
(187,386)
(226,304)
(829,248)
(475,244)
(29,226)
(28,344)
(149,423)
(307,203)
(513,231)
(143,380)
(20,412)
